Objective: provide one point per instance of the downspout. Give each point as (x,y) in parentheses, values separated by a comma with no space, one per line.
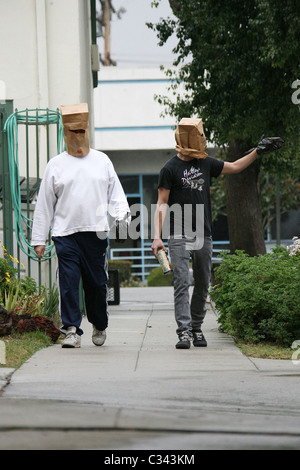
(42,54)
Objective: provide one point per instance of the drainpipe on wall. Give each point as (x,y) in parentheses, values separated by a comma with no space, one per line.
(42,54)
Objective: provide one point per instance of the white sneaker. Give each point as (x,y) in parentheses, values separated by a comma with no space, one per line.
(98,337)
(72,339)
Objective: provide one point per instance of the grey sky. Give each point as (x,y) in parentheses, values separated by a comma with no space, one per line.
(132,42)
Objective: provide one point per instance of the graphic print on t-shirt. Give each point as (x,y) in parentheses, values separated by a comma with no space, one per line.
(189,184)
(192,179)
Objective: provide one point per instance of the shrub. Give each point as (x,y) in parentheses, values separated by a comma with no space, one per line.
(158,278)
(123,266)
(294,248)
(134,281)
(258,297)
(7,272)
(22,296)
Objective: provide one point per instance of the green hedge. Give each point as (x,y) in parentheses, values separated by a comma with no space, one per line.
(123,266)
(258,298)
(158,278)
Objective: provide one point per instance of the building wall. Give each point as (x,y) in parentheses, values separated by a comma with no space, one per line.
(127,116)
(46,60)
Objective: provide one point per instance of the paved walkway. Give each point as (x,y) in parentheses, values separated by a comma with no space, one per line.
(139,392)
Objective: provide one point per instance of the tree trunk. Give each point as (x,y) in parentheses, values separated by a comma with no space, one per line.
(243,207)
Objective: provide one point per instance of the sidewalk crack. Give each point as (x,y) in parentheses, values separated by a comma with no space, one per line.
(143,340)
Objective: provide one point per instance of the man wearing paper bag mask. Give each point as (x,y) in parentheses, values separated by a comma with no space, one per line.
(185,181)
(79,188)
(76,129)
(190,138)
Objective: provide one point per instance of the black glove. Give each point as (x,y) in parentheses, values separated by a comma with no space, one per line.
(269,144)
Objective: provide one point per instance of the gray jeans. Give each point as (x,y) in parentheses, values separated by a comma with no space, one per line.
(189,317)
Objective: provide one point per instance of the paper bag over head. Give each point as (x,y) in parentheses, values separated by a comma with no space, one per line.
(190,138)
(75,117)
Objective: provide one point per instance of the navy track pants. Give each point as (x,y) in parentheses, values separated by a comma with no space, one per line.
(82,255)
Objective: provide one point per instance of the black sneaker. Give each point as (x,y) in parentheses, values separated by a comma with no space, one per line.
(184,341)
(199,340)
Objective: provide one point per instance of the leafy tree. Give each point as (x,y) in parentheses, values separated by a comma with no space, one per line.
(290,197)
(238,61)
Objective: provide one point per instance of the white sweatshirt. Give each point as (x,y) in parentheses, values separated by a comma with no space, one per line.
(75,195)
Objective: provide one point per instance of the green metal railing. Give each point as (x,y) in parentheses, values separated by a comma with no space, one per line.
(29,139)
(6,109)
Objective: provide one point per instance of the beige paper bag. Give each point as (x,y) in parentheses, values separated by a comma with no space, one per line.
(190,138)
(75,118)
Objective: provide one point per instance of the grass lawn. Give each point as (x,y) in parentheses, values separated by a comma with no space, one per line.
(20,347)
(265,351)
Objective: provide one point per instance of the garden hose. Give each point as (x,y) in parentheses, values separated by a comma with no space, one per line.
(39,117)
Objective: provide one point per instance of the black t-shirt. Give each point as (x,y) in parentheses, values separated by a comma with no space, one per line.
(189,184)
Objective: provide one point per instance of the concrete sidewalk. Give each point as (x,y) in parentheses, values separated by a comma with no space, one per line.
(139,392)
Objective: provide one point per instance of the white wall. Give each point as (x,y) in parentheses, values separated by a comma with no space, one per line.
(45,61)
(45,57)
(127,116)
(18,62)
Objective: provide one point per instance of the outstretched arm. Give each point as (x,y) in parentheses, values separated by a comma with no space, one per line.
(233,168)
(265,145)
